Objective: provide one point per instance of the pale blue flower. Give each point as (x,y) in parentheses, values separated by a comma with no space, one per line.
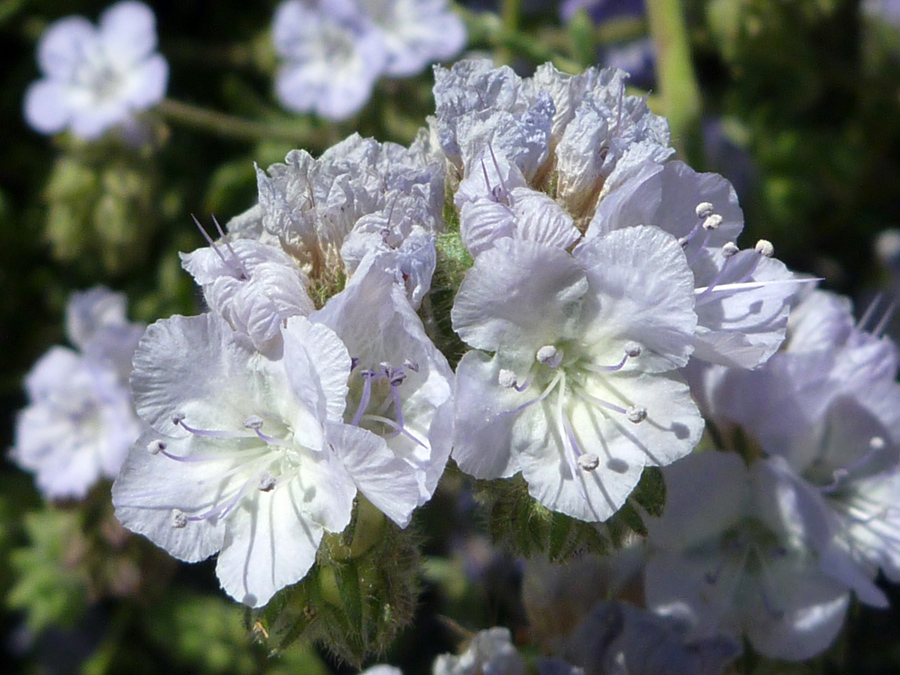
(99,77)
(249,457)
(740,556)
(572,380)
(333,55)
(80,422)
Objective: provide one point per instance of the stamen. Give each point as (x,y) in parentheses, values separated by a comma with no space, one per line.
(179,519)
(765,248)
(589,461)
(241,271)
(876,445)
(549,355)
(632,350)
(253,422)
(178,420)
(506,378)
(398,429)
(704,210)
(730,249)
(367,376)
(155,447)
(267,482)
(870,312)
(636,414)
(712,222)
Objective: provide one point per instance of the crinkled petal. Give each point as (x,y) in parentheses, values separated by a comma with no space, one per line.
(519,296)
(641,290)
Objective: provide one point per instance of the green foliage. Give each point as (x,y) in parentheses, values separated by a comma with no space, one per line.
(77,556)
(101,207)
(357,597)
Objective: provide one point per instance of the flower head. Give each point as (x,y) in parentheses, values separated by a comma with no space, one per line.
(248,456)
(333,56)
(97,77)
(80,422)
(740,557)
(571,380)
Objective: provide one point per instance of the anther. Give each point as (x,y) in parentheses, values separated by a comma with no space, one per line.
(411,365)
(253,422)
(155,447)
(549,355)
(704,210)
(730,249)
(877,443)
(589,461)
(266,482)
(632,350)
(765,248)
(177,418)
(636,414)
(712,222)
(506,378)
(179,519)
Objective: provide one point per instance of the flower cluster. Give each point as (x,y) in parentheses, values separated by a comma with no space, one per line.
(79,423)
(335,51)
(603,318)
(96,78)
(774,548)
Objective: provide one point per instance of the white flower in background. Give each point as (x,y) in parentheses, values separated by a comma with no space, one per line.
(742,297)
(826,410)
(98,77)
(80,422)
(617,638)
(333,54)
(249,457)
(415,33)
(335,50)
(489,651)
(572,379)
(740,556)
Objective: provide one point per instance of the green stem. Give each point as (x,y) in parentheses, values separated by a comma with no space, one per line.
(220,124)
(675,73)
(510,10)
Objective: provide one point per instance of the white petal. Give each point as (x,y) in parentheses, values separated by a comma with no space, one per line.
(386,480)
(641,289)
(519,296)
(268,545)
(128,32)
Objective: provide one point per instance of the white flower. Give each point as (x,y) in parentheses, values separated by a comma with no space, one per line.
(249,457)
(97,77)
(742,297)
(581,133)
(415,33)
(826,409)
(80,422)
(739,556)
(619,639)
(252,286)
(579,394)
(377,195)
(490,651)
(400,386)
(333,56)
